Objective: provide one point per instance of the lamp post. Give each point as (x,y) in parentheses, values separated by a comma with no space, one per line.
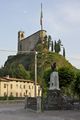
(7,91)
(35,72)
(35,82)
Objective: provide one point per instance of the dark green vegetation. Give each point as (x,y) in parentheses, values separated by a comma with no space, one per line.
(23,66)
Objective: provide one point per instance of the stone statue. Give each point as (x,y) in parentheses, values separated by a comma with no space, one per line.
(53,66)
(54,78)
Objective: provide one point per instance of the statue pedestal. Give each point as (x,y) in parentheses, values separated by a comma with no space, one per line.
(54,100)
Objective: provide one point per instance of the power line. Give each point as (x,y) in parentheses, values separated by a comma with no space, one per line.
(5,50)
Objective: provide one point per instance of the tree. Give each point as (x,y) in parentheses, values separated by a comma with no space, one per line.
(63,52)
(15,70)
(66,76)
(57,46)
(39,47)
(49,41)
(21,72)
(52,47)
(45,45)
(47,73)
(1,72)
(77,85)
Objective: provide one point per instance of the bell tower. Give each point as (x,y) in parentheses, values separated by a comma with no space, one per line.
(20,35)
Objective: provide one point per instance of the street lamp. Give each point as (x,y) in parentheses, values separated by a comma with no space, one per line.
(7,91)
(35,71)
(35,82)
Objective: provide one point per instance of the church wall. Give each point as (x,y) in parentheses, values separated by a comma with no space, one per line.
(29,43)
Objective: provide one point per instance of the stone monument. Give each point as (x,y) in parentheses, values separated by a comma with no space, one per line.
(54,100)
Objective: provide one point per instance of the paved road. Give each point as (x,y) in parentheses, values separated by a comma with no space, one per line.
(17,112)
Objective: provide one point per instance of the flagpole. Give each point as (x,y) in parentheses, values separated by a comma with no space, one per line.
(41,21)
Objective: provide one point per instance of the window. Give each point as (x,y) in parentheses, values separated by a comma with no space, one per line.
(11,93)
(20,94)
(11,86)
(5,94)
(22,35)
(20,86)
(24,94)
(29,94)
(16,94)
(4,85)
(16,85)
(29,86)
(24,86)
(32,87)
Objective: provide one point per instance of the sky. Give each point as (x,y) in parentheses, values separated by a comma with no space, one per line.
(61,20)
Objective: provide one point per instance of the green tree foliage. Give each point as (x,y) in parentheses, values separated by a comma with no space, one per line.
(20,72)
(63,52)
(57,46)
(77,84)
(49,41)
(39,47)
(1,71)
(66,76)
(47,73)
(15,70)
(52,48)
(46,42)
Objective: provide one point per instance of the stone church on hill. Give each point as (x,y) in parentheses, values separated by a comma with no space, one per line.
(29,43)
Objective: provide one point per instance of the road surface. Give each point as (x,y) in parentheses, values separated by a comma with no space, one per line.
(17,112)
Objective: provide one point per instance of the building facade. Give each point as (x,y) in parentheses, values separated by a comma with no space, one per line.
(29,43)
(18,87)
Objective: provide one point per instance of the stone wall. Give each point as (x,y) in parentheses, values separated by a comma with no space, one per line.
(55,100)
(33,103)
